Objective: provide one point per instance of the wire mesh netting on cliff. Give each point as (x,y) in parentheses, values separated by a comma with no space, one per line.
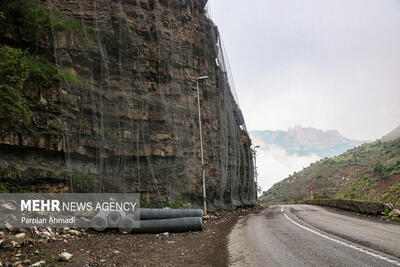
(130,116)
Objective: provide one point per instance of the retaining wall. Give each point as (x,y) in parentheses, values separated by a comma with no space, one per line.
(366,207)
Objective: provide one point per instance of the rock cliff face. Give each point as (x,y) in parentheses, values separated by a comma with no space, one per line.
(130,122)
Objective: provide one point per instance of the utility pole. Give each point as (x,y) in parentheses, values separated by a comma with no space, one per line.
(201,144)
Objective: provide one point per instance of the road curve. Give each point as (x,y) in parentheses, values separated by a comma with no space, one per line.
(306,235)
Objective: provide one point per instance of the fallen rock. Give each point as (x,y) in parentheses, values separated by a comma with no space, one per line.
(74,232)
(39,263)
(9,227)
(65,256)
(395,213)
(21,235)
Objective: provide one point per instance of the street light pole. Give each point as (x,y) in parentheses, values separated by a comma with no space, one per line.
(255,170)
(201,144)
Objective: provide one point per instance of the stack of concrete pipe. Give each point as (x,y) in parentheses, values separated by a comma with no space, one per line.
(150,221)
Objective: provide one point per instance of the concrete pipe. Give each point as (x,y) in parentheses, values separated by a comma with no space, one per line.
(99,222)
(114,218)
(129,223)
(170,225)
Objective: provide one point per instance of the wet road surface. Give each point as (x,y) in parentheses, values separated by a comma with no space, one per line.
(307,235)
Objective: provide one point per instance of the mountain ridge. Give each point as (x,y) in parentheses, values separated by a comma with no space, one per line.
(306,141)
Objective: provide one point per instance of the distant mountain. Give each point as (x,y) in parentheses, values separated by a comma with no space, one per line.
(394,134)
(305,141)
(370,172)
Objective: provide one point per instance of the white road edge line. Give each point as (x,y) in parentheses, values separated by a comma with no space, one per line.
(342,243)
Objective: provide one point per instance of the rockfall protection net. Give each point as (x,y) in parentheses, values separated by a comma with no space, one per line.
(129,110)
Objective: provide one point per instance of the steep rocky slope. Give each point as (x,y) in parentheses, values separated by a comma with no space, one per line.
(367,172)
(120,112)
(306,141)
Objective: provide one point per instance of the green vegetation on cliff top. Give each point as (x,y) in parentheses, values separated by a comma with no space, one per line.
(367,172)
(25,59)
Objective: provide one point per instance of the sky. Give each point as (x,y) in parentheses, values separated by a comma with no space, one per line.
(331,65)
(316,63)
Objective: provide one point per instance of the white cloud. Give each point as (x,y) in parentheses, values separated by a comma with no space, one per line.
(275,164)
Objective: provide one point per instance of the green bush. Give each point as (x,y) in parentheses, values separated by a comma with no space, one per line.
(378,169)
(178,204)
(26,20)
(14,71)
(61,22)
(387,211)
(70,78)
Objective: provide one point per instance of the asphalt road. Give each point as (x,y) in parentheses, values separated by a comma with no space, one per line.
(306,235)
